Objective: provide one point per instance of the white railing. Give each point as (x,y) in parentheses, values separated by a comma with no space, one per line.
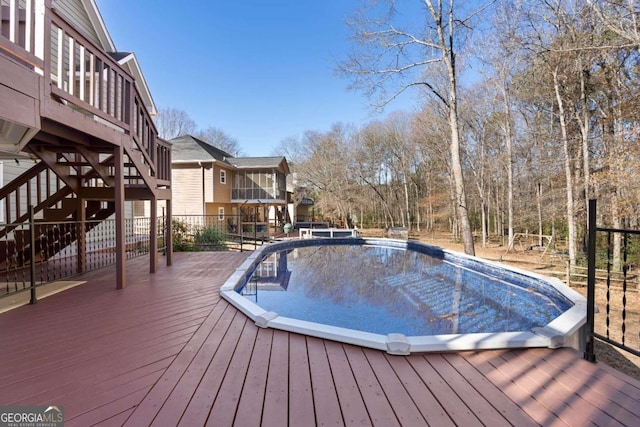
(22,23)
(307,233)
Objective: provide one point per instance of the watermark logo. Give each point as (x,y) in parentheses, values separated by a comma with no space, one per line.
(31,416)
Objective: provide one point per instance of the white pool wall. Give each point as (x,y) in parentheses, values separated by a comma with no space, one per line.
(567,330)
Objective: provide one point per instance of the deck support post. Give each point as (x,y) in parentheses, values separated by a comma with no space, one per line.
(153,236)
(32,254)
(121,274)
(82,235)
(589,353)
(168,238)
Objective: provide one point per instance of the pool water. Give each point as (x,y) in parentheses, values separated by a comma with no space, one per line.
(385,290)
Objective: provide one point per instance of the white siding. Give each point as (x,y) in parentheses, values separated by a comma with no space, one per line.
(186,186)
(75,13)
(209,184)
(11,170)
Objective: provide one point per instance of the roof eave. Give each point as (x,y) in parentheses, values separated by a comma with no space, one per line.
(94,15)
(141,82)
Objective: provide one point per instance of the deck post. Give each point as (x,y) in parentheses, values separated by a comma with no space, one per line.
(118,159)
(591,282)
(82,236)
(168,238)
(153,236)
(32,254)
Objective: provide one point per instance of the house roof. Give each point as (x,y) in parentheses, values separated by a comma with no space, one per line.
(260,163)
(188,148)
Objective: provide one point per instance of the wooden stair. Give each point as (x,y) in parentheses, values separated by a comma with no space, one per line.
(52,186)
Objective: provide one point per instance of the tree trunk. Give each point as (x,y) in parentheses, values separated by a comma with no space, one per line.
(509,144)
(406,201)
(539,204)
(571,226)
(456,163)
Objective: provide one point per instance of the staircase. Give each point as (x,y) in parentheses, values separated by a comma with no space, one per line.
(86,121)
(56,207)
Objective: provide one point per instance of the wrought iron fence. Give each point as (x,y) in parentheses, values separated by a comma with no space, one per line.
(616,320)
(53,251)
(218,232)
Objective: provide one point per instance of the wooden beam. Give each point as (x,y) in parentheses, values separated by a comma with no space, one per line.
(106,193)
(121,259)
(153,237)
(77,125)
(93,159)
(62,171)
(163,194)
(168,238)
(143,169)
(81,216)
(67,136)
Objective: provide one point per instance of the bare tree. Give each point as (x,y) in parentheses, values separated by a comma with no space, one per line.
(173,122)
(393,56)
(620,17)
(220,139)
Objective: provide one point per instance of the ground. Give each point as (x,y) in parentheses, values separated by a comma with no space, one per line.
(527,256)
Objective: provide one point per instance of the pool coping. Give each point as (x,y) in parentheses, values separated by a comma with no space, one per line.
(564,331)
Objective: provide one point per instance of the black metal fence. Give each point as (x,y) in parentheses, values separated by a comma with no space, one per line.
(55,247)
(218,232)
(616,319)
(52,252)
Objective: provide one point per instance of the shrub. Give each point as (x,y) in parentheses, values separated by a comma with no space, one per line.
(209,239)
(182,241)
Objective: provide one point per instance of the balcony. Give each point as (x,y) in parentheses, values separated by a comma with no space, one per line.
(80,113)
(55,80)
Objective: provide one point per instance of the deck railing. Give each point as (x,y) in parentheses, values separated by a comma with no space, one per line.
(38,187)
(56,247)
(22,30)
(616,320)
(80,73)
(217,232)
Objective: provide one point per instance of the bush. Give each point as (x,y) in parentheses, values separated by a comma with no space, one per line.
(182,242)
(209,239)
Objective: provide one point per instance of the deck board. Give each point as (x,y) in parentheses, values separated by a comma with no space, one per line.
(275,411)
(509,410)
(301,409)
(325,398)
(454,406)
(510,388)
(253,391)
(376,401)
(403,406)
(432,411)
(209,383)
(573,376)
(167,350)
(354,411)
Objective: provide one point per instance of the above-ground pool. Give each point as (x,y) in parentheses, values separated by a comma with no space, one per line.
(402,297)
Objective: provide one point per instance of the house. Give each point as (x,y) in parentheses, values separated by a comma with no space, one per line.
(76,130)
(247,193)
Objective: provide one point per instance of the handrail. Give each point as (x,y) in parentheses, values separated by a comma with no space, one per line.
(101,86)
(23,25)
(620,343)
(79,72)
(22,191)
(87,76)
(163,160)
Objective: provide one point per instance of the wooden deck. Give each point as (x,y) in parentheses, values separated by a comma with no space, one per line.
(168,351)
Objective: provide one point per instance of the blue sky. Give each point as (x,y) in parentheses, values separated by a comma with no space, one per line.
(261,71)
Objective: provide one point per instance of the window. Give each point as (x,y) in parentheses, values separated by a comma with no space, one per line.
(223,176)
(220,214)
